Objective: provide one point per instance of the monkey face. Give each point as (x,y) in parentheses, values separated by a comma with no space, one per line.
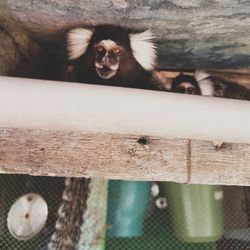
(186,88)
(113,55)
(185,84)
(107,58)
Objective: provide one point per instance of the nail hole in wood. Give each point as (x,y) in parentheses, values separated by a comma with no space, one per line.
(143,141)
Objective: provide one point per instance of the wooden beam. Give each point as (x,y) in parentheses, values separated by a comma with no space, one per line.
(190,33)
(20,55)
(128,157)
(239,76)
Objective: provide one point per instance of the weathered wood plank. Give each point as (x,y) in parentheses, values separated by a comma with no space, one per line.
(190,33)
(229,164)
(41,152)
(60,153)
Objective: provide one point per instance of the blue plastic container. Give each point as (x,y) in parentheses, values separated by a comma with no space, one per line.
(127,203)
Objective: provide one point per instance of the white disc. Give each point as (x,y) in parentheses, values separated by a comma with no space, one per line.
(27,216)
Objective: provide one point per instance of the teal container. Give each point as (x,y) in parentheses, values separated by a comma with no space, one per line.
(196,211)
(127,203)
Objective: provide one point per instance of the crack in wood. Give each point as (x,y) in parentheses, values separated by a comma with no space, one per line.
(189,162)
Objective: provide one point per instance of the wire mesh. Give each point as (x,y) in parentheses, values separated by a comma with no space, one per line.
(14,186)
(158,232)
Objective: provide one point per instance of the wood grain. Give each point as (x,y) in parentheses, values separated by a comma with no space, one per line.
(190,33)
(128,157)
(41,152)
(229,164)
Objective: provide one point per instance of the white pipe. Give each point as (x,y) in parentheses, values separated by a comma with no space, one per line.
(37,104)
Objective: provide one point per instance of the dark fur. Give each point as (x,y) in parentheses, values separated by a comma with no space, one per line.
(185,78)
(227,89)
(230,90)
(130,72)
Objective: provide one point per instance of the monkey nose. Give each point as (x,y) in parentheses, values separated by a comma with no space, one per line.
(106,68)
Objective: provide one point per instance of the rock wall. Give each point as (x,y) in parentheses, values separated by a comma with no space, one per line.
(193,33)
(20,55)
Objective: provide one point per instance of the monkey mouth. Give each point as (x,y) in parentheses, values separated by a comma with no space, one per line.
(106,72)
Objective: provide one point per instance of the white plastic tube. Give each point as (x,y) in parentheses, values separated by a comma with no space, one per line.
(38,104)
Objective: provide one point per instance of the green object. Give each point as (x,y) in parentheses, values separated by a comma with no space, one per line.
(196,211)
(157,235)
(127,203)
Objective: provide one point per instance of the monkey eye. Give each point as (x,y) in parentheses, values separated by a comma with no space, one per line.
(181,89)
(99,49)
(116,50)
(191,90)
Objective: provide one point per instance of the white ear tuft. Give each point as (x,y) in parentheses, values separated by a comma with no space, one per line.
(77,42)
(144,49)
(205,82)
